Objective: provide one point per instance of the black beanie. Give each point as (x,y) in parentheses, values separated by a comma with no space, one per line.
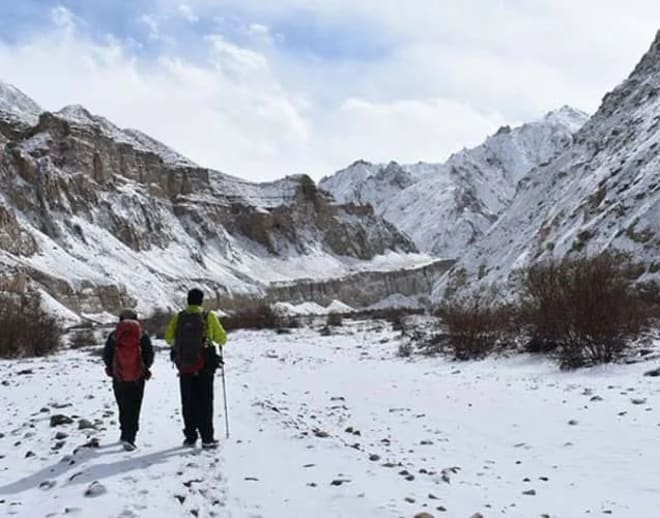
(195,297)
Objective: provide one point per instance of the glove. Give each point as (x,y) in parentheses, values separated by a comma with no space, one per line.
(108,372)
(147,374)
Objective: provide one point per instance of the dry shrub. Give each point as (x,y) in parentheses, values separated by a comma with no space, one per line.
(334,320)
(82,338)
(25,328)
(405,349)
(156,323)
(476,324)
(257,317)
(588,309)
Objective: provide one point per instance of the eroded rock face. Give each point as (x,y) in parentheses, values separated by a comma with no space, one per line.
(363,288)
(97,215)
(13,238)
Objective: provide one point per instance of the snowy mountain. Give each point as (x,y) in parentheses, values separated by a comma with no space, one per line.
(98,217)
(16,108)
(365,183)
(447,207)
(601,193)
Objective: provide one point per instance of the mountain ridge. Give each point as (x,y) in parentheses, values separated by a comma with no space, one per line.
(466,193)
(601,193)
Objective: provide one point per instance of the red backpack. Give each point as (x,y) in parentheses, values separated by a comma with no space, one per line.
(127,362)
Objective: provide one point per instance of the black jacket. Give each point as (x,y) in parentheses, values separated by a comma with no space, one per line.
(145,345)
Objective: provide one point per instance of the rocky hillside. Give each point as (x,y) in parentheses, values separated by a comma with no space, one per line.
(99,217)
(447,207)
(601,193)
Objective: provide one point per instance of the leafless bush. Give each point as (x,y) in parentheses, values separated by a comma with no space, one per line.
(588,309)
(476,324)
(334,320)
(82,338)
(156,323)
(405,349)
(257,317)
(25,328)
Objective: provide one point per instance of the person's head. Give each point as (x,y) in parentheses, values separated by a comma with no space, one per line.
(127,314)
(195,297)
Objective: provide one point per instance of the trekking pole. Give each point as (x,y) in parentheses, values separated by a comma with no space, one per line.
(224,393)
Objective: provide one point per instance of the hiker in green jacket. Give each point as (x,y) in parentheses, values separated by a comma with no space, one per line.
(192,334)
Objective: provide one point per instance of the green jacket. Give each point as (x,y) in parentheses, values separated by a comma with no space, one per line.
(214,330)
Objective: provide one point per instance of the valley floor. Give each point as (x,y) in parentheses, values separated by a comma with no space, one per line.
(507,437)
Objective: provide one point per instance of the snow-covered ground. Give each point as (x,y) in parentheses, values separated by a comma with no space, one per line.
(502,437)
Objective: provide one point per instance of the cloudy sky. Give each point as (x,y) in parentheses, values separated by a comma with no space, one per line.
(264,88)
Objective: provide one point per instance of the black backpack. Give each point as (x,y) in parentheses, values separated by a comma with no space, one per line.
(190,342)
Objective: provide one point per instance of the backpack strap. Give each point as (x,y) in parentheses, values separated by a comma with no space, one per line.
(206,327)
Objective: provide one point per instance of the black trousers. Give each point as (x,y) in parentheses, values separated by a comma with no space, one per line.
(129,399)
(197,405)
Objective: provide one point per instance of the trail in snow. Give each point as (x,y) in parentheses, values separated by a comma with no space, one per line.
(337,426)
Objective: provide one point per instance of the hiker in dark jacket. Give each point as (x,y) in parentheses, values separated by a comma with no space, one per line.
(128,355)
(192,334)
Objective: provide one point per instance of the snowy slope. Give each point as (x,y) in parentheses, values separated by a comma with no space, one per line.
(363,182)
(447,207)
(337,426)
(17,105)
(601,193)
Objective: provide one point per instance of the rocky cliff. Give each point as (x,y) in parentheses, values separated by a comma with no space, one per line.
(99,217)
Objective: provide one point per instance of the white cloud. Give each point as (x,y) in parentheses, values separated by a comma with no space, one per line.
(235,59)
(261,34)
(152,24)
(63,18)
(258,29)
(187,13)
(454,73)
(406,130)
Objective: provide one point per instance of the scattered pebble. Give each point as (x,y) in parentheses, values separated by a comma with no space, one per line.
(60,419)
(95,489)
(85,424)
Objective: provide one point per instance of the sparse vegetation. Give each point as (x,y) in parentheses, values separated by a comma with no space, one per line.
(587,310)
(334,320)
(156,323)
(258,317)
(582,311)
(25,328)
(643,236)
(405,349)
(82,338)
(476,324)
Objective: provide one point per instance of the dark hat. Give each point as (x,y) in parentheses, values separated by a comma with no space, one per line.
(195,297)
(128,314)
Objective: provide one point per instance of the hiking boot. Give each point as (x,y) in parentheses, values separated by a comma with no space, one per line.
(129,445)
(210,445)
(189,443)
